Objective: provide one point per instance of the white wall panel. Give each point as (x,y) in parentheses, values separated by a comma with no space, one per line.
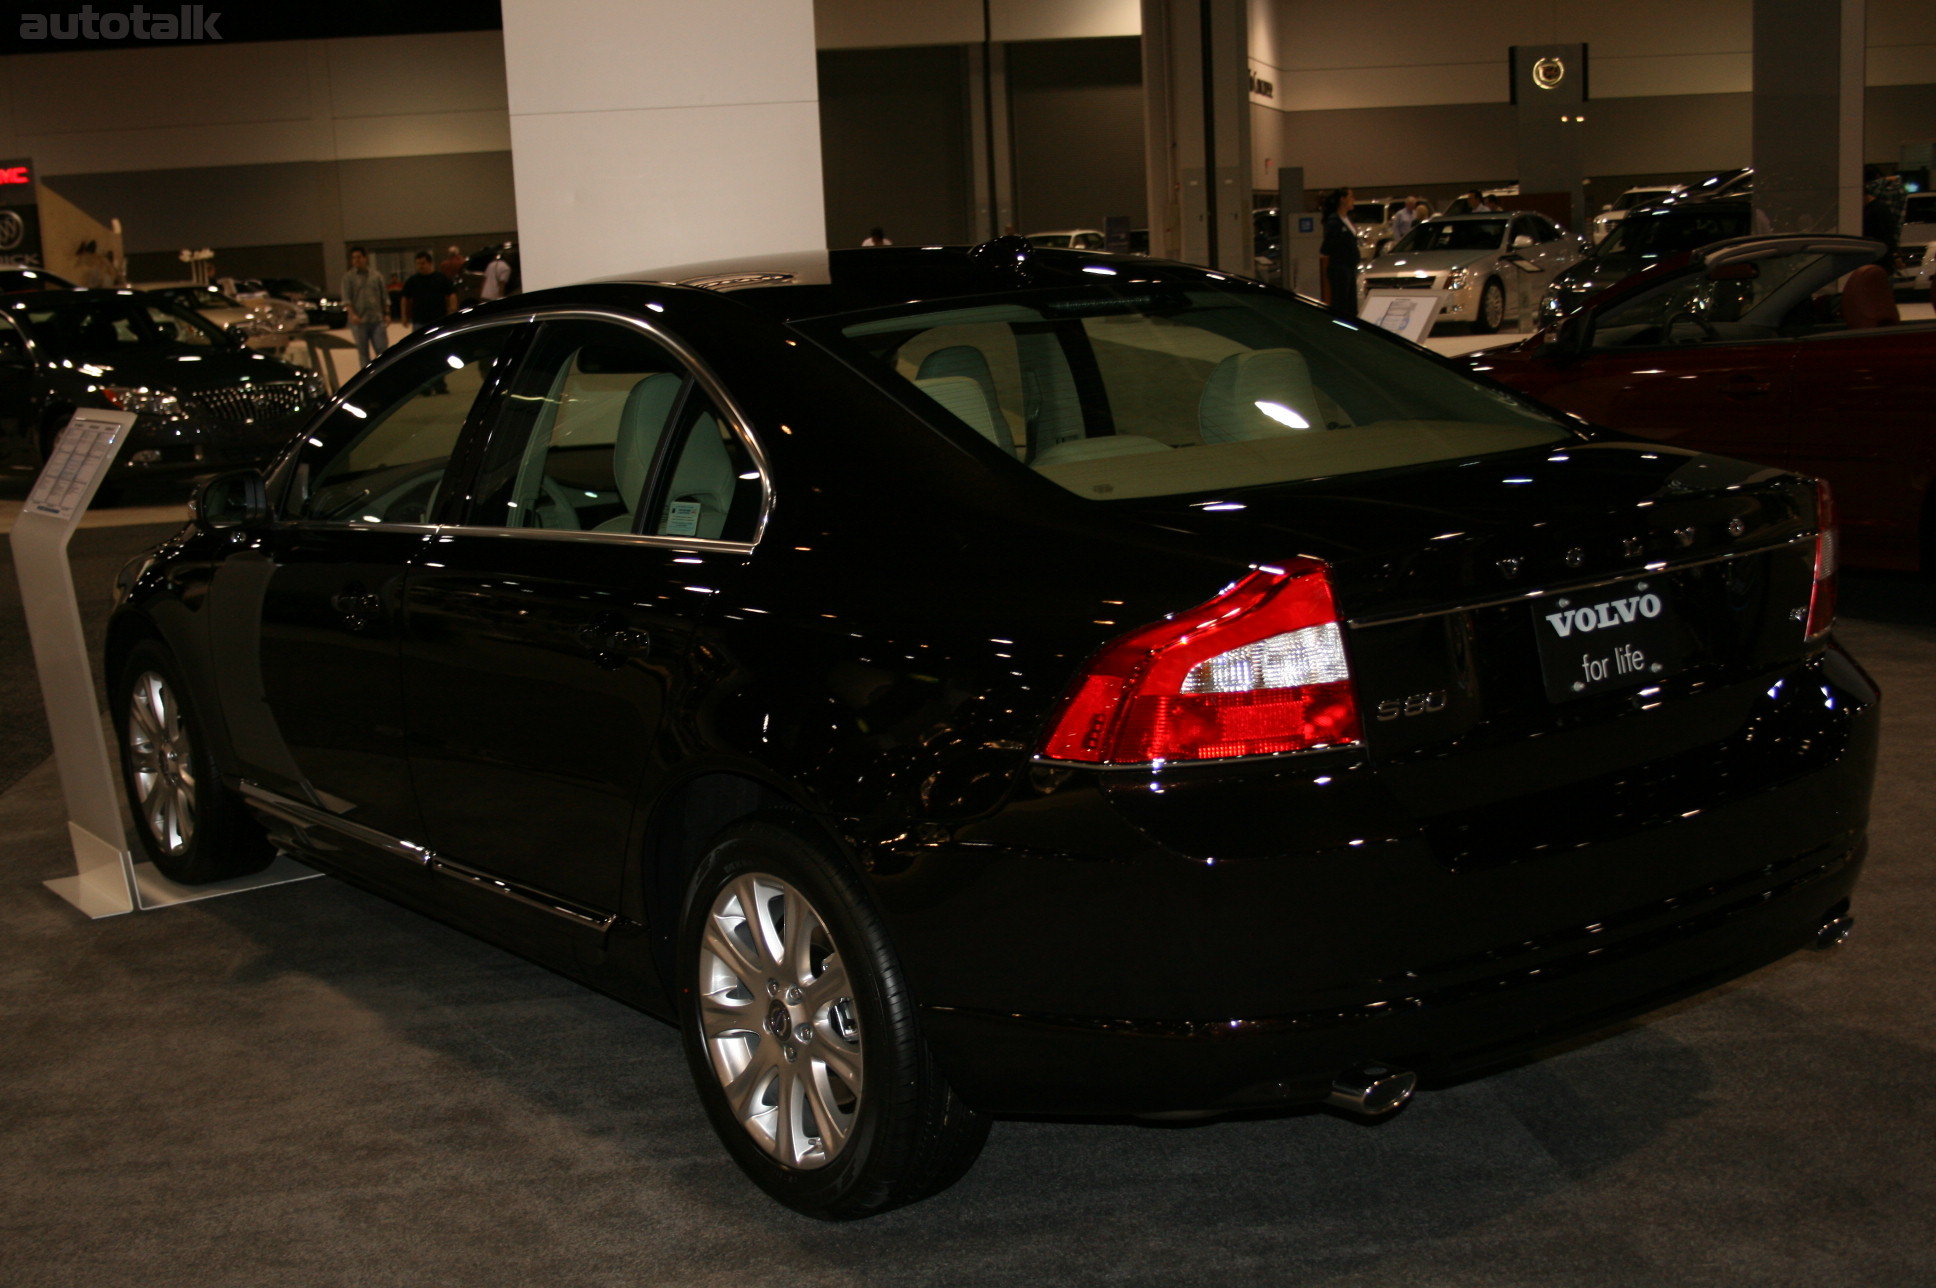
(606,192)
(621,55)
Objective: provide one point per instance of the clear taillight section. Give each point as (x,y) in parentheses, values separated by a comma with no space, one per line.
(1258,670)
(1821,596)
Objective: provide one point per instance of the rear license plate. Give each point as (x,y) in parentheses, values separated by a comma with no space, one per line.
(1613,637)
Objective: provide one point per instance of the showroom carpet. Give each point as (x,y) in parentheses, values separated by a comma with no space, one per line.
(306,1086)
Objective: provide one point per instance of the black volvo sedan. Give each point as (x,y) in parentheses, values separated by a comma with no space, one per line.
(204,401)
(958,683)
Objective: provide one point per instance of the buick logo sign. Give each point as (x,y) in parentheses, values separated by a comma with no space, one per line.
(13,230)
(1548,73)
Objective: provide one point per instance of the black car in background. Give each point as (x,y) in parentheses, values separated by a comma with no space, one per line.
(952,683)
(1648,235)
(14,278)
(323,309)
(205,402)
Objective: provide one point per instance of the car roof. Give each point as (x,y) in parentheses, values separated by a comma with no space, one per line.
(800,284)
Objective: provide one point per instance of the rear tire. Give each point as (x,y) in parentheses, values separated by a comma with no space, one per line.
(190,826)
(802,1034)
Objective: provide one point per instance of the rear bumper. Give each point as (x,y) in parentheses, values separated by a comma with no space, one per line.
(1090,1066)
(1102,970)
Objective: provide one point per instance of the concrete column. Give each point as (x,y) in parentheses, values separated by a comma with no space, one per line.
(649,132)
(992,146)
(1809,65)
(1196,95)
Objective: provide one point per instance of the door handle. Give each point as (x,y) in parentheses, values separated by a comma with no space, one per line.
(357,606)
(610,641)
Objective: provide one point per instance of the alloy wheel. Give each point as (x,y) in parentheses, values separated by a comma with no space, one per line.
(1492,306)
(161,767)
(779,1022)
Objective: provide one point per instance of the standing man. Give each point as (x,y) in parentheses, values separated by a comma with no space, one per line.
(368,305)
(1338,254)
(1405,220)
(428,298)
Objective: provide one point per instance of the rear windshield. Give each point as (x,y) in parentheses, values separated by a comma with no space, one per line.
(1118,392)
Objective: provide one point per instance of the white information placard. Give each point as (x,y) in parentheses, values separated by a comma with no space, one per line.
(80,455)
(106,881)
(1406,313)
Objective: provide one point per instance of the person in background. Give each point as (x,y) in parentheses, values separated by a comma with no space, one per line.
(453,268)
(1406,219)
(368,305)
(428,298)
(877,236)
(497,279)
(1338,254)
(395,288)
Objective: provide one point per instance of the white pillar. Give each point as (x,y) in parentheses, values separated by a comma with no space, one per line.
(655,132)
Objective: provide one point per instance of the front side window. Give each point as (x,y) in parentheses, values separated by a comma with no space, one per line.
(381,455)
(1157,389)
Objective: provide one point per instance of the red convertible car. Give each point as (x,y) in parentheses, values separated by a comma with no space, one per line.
(1746,348)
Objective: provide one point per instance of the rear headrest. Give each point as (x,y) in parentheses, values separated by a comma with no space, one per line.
(1258,394)
(1868,299)
(639,428)
(963,396)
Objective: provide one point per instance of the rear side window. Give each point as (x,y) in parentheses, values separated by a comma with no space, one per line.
(1119,393)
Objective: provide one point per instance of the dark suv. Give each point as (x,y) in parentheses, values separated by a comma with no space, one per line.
(1645,237)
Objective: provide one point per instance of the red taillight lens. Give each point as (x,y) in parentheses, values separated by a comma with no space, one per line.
(1259,669)
(1821,597)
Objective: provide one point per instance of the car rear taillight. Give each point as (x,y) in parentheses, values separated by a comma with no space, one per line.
(1258,670)
(1821,597)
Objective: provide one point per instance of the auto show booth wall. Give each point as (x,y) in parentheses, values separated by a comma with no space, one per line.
(279,155)
(1422,95)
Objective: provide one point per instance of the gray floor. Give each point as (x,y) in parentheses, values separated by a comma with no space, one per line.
(306,1086)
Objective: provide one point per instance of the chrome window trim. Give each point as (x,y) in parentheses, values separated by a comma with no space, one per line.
(1573,588)
(301,814)
(701,374)
(705,545)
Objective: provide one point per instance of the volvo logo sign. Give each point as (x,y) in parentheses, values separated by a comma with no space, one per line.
(1548,73)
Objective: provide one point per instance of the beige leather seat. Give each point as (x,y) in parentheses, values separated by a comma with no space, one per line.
(641,425)
(965,362)
(1261,393)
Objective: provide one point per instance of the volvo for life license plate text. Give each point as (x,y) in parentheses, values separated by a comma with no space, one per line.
(1614,637)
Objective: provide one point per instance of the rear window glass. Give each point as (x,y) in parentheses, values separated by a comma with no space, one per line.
(1120,392)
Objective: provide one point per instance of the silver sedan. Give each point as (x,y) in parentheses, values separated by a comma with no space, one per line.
(1470,259)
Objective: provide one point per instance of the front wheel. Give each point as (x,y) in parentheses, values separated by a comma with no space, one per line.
(1492,308)
(189,825)
(802,1035)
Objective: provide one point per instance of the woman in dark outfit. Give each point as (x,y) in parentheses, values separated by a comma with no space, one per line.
(1338,253)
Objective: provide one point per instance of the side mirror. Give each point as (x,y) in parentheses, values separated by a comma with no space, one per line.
(1524,239)
(238,499)
(1574,337)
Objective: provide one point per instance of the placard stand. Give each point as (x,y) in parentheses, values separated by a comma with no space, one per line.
(107,880)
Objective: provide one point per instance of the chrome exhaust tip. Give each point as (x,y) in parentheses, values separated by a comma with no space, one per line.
(1834,932)
(1372,1090)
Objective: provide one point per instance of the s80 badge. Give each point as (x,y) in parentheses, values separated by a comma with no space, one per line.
(1418,704)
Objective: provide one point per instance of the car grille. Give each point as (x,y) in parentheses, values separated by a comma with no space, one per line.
(249,404)
(1406,283)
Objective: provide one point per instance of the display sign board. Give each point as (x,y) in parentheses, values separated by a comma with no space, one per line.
(107,880)
(1406,313)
